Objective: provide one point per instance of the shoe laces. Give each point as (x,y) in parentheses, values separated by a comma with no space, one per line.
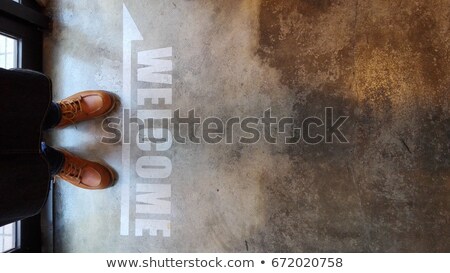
(72,170)
(71,108)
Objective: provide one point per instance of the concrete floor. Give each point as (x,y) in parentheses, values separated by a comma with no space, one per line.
(383,63)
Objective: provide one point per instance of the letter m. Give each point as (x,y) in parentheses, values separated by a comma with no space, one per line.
(155,65)
(150,202)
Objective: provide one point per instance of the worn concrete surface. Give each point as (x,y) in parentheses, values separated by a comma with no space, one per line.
(383,63)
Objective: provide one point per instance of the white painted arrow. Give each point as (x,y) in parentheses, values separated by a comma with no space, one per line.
(130,33)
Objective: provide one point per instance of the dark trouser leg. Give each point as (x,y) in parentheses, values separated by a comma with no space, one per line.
(54,158)
(53,116)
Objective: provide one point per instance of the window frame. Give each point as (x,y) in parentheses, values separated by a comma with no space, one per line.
(25,22)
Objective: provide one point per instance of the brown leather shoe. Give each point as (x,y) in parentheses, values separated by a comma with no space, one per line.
(84,173)
(85,105)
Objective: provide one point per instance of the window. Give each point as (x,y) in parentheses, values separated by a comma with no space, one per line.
(8,52)
(21,27)
(8,59)
(8,237)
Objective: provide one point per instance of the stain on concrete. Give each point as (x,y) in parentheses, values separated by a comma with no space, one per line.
(405,65)
(384,66)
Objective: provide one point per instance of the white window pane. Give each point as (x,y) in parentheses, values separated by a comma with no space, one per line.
(10,61)
(2,42)
(8,243)
(2,61)
(10,44)
(8,230)
(8,52)
(8,238)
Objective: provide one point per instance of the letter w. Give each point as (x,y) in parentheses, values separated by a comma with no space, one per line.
(152,198)
(155,65)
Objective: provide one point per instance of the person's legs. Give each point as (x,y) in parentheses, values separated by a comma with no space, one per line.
(54,158)
(53,117)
